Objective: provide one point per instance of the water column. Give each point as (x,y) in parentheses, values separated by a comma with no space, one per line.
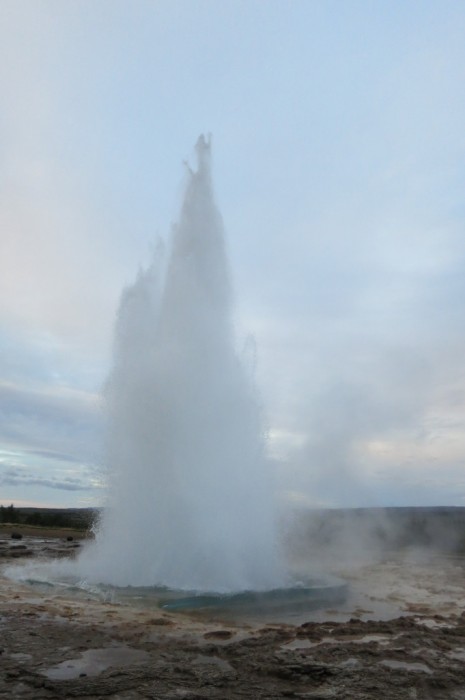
(190,503)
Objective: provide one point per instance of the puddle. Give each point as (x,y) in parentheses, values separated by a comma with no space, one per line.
(350,663)
(379,638)
(21,657)
(214,661)
(94,661)
(366,639)
(434,624)
(301,644)
(406,666)
(458,654)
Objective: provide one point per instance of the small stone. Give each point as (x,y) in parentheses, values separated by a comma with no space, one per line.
(218,634)
(159,621)
(14,673)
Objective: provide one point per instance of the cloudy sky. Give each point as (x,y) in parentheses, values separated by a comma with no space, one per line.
(339,167)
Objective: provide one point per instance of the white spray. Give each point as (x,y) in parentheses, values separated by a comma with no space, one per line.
(190,503)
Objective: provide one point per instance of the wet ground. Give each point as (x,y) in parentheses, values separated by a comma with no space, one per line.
(401,634)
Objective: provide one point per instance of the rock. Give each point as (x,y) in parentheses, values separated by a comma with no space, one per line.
(218,634)
(159,621)
(16,535)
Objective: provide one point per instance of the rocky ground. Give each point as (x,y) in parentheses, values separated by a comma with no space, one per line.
(61,646)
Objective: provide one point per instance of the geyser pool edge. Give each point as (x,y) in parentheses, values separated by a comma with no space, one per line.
(315,594)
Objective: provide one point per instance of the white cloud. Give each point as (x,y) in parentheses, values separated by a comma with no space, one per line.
(14,476)
(49,423)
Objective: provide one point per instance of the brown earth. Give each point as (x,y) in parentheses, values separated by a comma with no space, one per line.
(7,529)
(59,646)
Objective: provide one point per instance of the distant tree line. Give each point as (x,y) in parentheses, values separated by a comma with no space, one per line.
(81,519)
(8,515)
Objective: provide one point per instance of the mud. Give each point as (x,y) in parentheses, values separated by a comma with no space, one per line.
(60,646)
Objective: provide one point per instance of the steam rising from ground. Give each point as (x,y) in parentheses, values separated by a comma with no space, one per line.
(190,493)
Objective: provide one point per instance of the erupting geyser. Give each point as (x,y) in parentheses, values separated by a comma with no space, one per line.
(190,495)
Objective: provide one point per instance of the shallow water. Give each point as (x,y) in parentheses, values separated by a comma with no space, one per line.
(93,661)
(278,604)
(380,590)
